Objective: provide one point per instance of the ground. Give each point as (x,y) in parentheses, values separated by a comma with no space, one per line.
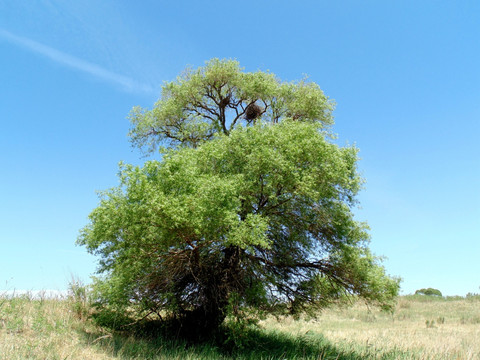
(419,328)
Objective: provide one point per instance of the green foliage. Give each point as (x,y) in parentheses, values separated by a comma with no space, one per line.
(428,292)
(216,98)
(257,217)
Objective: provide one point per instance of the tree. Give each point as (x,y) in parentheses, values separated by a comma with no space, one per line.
(245,211)
(429,292)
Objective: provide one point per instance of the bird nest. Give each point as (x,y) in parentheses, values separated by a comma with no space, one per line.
(225,101)
(252,112)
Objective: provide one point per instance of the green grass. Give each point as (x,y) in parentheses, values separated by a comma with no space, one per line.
(59,329)
(256,344)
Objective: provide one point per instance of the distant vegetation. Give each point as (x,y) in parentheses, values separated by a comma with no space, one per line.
(428,292)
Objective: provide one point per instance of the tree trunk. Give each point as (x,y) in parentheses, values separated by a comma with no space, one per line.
(216,282)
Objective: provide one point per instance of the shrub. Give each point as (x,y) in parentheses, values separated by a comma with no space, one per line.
(429,292)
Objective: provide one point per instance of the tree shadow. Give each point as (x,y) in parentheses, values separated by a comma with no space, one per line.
(151,341)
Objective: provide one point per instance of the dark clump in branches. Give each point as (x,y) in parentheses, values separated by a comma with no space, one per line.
(252,112)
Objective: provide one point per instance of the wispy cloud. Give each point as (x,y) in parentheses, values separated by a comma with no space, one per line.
(73,62)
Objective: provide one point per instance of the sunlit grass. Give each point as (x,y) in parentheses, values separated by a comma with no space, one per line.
(429,328)
(419,328)
(42,329)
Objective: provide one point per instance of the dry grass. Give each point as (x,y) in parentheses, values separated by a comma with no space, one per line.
(420,328)
(434,329)
(45,329)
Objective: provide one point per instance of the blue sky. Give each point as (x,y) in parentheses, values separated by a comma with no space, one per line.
(405,76)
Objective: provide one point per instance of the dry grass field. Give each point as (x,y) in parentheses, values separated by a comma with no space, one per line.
(419,328)
(426,328)
(43,329)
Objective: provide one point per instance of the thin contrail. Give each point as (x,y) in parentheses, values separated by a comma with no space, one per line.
(76,63)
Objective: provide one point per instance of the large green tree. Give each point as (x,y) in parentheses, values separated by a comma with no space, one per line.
(250,207)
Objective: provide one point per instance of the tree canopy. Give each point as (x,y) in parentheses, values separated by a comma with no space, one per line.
(219,97)
(429,292)
(244,212)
